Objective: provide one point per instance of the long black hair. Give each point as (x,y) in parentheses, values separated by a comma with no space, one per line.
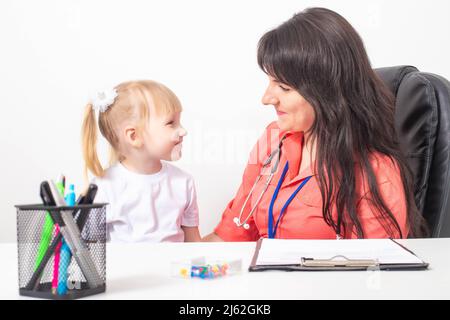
(319,54)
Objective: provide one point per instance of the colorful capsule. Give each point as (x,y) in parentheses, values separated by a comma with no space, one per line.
(184,272)
(206,271)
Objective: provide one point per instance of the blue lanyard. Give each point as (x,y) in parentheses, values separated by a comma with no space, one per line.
(271,230)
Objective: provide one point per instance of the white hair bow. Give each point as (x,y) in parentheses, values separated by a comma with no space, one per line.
(102,100)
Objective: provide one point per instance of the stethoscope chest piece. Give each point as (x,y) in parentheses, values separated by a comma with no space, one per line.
(238,223)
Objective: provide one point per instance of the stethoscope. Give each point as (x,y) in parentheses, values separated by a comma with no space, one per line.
(276,153)
(271,228)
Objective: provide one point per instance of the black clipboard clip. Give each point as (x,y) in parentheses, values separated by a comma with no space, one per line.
(339,261)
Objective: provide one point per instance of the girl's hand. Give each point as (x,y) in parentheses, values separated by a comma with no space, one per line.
(191,234)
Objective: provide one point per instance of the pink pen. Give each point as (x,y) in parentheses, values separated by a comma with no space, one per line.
(56,263)
(61,186)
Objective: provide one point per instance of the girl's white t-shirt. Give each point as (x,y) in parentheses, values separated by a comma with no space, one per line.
(147,208)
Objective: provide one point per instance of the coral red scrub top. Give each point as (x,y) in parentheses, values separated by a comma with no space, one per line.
(303,217)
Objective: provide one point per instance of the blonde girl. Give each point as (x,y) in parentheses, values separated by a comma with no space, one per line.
(150,200)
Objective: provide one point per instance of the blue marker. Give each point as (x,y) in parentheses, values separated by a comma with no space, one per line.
(70,196)
(64,263)
(65,255)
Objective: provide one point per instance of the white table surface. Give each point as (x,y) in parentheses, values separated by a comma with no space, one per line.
(142,271)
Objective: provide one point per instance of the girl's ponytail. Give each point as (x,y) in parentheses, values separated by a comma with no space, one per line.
(89,144)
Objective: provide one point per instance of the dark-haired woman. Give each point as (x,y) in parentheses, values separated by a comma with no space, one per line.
(337,167)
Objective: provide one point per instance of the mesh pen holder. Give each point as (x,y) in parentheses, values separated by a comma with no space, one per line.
(61,251)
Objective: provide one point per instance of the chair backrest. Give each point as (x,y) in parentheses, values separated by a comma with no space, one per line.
(422,119)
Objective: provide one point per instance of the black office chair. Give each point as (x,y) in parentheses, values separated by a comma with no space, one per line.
(422,119)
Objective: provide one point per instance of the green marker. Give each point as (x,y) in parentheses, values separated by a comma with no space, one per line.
(47,229)
(46,237)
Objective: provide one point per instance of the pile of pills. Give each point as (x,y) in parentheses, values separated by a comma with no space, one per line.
(209,271)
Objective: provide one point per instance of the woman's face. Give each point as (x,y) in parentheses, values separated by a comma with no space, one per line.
(293,111)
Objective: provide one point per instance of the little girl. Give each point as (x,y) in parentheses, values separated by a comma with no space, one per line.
(150,200)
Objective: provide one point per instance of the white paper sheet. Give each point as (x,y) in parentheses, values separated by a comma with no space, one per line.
(287,251)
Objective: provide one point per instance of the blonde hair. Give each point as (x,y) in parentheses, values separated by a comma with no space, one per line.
(133,105)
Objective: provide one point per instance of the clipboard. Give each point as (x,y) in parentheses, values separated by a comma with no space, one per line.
(337,262)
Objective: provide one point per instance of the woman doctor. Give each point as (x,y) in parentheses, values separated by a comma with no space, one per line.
(330,166)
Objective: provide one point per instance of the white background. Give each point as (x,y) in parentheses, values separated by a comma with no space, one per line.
(54,54)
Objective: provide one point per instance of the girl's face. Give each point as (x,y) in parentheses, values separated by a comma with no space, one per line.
(293,111)
(164,136)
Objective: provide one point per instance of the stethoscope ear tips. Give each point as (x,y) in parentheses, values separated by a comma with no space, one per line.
(246,226)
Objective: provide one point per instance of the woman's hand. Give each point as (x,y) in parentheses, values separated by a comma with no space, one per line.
(212,237)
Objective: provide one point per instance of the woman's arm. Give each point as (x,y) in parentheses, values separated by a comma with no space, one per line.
(390,187)
(227,230)
(212,237)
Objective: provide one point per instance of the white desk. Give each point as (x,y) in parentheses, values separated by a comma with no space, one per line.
(143,272)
